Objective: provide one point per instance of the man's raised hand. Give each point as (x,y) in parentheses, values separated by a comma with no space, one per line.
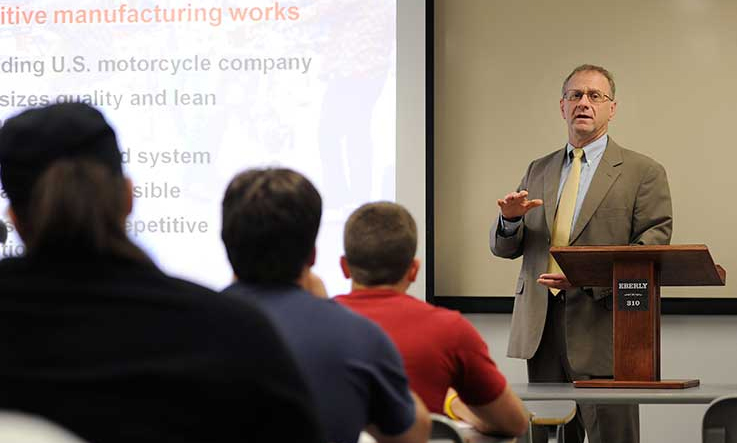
(515,204)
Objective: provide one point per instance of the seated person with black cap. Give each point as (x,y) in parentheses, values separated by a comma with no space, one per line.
(95,338)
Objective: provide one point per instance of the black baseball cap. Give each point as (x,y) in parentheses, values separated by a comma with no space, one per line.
(33,140)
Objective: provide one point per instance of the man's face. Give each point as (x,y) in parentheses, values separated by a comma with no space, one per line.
(586,119)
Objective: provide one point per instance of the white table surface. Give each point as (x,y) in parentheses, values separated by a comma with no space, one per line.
(704,393)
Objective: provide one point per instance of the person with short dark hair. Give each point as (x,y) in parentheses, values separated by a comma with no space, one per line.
(442,351)
(97,339)
(268,240)
(270,223)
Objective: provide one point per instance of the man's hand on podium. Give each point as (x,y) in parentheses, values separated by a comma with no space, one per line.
(556,281)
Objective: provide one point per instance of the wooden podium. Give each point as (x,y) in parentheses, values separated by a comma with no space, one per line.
(636,274)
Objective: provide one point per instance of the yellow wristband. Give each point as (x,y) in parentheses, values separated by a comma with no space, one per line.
(446,406)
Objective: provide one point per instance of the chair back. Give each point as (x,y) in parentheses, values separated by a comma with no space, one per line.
(17,427)
(720,421)
(444,430)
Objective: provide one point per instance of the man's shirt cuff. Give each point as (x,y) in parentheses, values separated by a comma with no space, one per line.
(508,227)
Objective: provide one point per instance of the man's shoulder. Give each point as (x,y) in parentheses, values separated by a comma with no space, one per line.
(461,327)
(312,322)
(448,323)
(633,156)
(174,285)
(614,149)
(438,315)
(299,307)
(399,302)
(350,320)
(541,163)
(359,334)
(183,299)
(146,281)
(408,305)
(107,286)
(635,162)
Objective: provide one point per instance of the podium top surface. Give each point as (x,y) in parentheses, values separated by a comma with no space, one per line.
(679,265)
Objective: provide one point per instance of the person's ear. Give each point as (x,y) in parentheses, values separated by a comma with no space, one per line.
(344,266)
(128,201)
(612,110)
(414,268)
(562,111)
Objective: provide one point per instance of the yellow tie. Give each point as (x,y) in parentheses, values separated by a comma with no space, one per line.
(566,207)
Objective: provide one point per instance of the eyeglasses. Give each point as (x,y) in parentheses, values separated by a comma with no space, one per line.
(595,96)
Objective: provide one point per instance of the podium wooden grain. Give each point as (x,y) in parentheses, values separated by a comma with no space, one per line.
(637,332)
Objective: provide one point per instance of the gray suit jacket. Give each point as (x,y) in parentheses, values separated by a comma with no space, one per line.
(628,202)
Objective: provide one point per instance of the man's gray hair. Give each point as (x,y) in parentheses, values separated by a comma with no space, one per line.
(595,68)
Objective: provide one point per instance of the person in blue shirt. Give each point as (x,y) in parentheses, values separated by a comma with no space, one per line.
(270,222)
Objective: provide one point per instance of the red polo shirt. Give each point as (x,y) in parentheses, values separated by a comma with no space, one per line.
(440,348)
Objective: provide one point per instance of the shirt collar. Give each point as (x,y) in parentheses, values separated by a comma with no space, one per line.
(255,288)
(592,151)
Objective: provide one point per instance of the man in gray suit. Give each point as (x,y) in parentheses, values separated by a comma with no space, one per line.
(601,194)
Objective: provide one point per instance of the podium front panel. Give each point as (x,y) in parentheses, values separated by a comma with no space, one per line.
(636,307)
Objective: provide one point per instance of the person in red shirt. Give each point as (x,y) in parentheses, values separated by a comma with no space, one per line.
(446,359)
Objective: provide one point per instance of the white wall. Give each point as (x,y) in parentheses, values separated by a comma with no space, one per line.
(703,347)
(411,120)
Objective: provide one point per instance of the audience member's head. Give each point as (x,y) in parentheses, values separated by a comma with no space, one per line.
(270,223)
(61,169)
(380,241)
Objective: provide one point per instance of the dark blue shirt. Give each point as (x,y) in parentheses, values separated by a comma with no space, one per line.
(352,367)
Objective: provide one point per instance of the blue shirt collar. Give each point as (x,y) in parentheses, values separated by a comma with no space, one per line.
(592,151)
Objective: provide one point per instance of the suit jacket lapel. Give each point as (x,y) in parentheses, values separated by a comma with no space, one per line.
(605,175)
(551,183)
